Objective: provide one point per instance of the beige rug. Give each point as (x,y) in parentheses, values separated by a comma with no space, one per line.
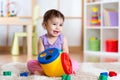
(86,71)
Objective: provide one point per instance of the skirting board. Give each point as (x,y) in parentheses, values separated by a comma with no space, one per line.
(72,49)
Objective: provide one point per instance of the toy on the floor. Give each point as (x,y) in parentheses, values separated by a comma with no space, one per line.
(66,77)
(55,63)
(7,73)
(24,74)
(103,76)
(111,75)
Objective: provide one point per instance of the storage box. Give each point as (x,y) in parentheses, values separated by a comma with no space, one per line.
(111,45)
(94,45)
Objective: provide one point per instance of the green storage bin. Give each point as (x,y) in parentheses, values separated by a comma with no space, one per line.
(94,45)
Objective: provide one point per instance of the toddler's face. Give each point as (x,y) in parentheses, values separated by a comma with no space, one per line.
(54,26)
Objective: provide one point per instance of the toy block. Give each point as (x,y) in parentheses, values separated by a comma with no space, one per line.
(7,73)
(24,74)
(112,73)
(104,73)
(64,77)
(68,77)
(103,76)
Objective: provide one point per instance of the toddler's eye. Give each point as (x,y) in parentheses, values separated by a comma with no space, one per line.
(61,25)
(54,24)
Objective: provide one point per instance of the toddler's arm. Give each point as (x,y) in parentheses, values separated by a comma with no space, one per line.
(40,46)
(65,45)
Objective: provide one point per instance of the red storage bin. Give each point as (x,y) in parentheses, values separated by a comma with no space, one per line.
(112,45)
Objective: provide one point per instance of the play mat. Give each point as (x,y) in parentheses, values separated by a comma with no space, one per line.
(86,71)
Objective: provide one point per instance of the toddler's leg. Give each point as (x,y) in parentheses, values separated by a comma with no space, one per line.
(74,65)
(34,67)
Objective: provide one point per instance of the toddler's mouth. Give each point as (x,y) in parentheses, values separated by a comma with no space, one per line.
(55,32)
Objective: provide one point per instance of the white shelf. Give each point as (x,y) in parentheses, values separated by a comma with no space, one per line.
(96,53)
(102,53)
(94,3)
(93,27)
(109,27)
(109,1)
(103,32)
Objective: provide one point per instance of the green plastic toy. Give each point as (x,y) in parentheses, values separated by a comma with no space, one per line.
(7,73)
(66,77)
(103,76)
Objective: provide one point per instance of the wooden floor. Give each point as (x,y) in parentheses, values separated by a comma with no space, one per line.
(6,57)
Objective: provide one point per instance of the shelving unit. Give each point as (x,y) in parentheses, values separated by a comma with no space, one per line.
(98,37)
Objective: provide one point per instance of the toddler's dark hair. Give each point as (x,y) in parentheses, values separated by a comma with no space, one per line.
(52,13)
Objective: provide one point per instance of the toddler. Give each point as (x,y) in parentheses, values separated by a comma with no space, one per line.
(53,23)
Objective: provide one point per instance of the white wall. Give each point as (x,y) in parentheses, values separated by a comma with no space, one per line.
(70,8)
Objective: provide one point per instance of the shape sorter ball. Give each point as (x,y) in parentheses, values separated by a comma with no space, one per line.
(54,63)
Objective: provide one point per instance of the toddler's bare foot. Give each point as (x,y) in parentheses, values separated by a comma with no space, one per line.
(38,73)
